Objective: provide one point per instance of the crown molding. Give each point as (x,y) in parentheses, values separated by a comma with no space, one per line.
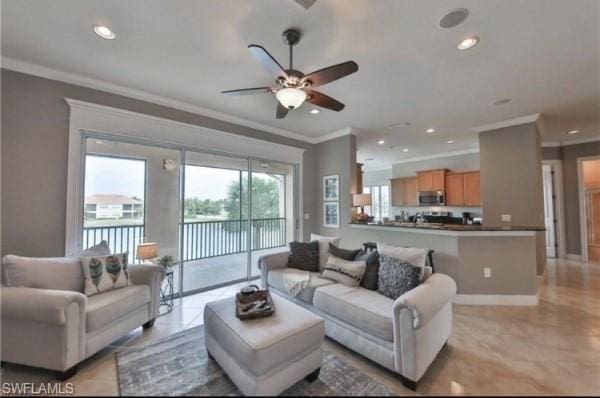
(507,123)
(555,144)
(80,80)
(335,134)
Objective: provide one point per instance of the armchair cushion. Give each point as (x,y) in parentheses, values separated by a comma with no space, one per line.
(105,308)
(59,273)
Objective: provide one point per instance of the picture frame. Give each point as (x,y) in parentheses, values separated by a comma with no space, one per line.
(331,214)
(331,187)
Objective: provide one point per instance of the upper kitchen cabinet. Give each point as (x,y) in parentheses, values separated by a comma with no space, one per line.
(463,189)
(431,180)
(404,191)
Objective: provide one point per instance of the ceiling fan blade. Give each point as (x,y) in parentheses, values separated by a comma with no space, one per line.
(248,91)
(267,60)
(325,101)
(281,111)
(331,73)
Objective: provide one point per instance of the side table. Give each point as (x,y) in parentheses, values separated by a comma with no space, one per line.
(167,291)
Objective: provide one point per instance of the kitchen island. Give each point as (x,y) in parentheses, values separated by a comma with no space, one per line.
(489,265)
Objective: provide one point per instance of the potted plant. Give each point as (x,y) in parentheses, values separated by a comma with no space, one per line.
(165,261)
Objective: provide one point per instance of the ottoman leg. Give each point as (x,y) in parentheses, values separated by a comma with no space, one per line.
(313,376)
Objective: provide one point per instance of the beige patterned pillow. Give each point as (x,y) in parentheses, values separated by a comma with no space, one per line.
(104,273)
(345,272)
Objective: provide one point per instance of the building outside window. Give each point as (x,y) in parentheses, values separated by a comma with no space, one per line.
(380,201)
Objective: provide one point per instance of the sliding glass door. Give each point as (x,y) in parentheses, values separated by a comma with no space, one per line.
(197,207)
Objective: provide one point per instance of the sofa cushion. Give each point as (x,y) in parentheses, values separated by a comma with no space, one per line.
(344,254)
(362,308)
(261,346)
(103,309)
(304,256)
(275,280)
(349,273)
(397,277)
(324,242)
(99,249)
(57,273)
(371,258)
(412,255)
(104,273)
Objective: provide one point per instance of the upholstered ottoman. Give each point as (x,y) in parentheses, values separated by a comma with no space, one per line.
(265,356)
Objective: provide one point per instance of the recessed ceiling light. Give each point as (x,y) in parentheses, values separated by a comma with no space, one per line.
(502,101)
(450,142)
(381,142)
(430,131)
(405,150)
(573,132)
(314,111)
(468,43)
(453,18)
(104,32)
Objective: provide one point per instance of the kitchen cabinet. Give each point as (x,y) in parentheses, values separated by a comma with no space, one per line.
(431,180)
(404,192)
(463,189)
(472,189)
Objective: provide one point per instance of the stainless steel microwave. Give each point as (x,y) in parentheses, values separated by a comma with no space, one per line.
(432,198)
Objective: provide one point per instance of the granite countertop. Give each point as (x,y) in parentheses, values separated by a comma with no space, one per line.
(453,227)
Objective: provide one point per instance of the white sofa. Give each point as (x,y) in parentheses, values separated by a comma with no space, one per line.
(404,335)
(51,324)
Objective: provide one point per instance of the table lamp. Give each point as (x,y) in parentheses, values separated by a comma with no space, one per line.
(361,200)
(147,251)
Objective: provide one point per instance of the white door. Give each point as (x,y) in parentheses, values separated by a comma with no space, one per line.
(549,218)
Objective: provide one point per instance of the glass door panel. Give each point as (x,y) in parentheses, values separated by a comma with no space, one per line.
(131,195)
(215,239)
(272,213)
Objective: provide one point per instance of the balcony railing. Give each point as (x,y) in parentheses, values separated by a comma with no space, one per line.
(201,239)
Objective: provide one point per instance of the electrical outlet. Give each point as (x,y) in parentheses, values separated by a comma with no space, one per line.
(487,272)
(506,217)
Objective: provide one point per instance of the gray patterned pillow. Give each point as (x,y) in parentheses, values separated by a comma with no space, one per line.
(304,256)
(396,277)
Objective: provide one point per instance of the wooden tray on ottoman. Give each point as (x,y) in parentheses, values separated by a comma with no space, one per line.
(242,299)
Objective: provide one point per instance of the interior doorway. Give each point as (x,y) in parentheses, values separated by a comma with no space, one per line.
(550,219)
(590,189)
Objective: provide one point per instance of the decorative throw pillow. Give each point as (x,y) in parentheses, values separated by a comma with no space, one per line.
(304,256)
(412,255)
(396,277)
(100,249)
(104,273)
(324,242)
(345,272)
(344,254)
(371,258)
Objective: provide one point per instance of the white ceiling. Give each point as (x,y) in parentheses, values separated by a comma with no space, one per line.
(542,54)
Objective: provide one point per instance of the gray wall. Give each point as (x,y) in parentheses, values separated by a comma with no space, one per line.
(465,162)
(35,125)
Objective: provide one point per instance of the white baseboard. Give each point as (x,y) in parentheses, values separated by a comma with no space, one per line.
(496,299)
(574,257)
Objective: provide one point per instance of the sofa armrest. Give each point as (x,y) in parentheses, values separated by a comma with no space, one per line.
(43,328)
(425,301)
(270,262)
(40,305)
(151,276)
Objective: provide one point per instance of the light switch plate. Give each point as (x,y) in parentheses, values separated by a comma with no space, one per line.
(506,217)
(487,272)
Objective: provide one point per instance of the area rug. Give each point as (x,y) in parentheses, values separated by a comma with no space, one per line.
(179,365)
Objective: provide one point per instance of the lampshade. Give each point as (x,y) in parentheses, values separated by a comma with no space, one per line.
(146,251)
(290,97)
(361,199)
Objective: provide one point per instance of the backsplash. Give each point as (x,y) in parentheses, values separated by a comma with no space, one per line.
(456,211)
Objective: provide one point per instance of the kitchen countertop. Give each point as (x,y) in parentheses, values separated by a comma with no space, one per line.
(472,230)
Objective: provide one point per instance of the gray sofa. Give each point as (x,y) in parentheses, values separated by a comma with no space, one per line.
(48,322)
(404,335)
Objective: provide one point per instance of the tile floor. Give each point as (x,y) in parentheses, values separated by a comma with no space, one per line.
(551,349)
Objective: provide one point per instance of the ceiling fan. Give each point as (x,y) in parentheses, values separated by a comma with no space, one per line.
(292,86)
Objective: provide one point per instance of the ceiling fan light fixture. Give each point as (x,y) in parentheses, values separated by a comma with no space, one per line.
(290,98)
